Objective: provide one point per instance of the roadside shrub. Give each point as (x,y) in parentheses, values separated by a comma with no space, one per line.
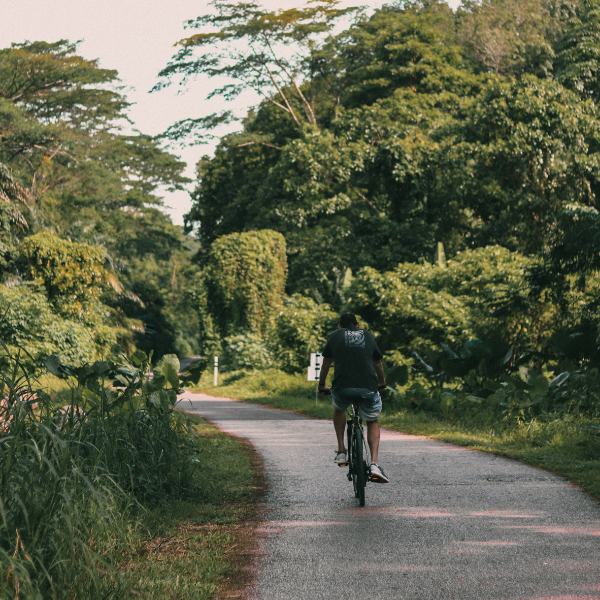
(29,322)
(73,274)
(302,328)
(486,380)
(71,477)
(246,276)
(246,350)
(480,293)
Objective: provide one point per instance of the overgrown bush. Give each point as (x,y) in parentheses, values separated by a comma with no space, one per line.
(30,322)
(246,276)
(486,381)
(480,293)
(246,350)
(302,328)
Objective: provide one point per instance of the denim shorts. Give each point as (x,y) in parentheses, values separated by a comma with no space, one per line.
(369,402)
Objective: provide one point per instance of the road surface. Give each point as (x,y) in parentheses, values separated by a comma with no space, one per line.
(452,524)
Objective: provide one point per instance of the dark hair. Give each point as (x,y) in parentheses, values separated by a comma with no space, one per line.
(348,320)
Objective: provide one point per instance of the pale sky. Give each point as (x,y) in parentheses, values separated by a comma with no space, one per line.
(136,38)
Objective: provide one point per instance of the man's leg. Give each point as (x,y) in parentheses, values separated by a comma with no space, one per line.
(373,439)
(339,422)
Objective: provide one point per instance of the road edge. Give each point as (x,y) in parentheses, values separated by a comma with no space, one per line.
(248,549)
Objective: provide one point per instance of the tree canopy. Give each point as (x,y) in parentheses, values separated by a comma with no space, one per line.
(80,201)
(466,128)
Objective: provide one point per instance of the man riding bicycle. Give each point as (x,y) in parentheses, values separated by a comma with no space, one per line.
(358,379)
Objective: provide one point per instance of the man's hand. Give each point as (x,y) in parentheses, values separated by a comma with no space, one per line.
(325,390)
(382,386)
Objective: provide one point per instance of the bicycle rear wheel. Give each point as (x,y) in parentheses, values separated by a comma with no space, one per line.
(359,478)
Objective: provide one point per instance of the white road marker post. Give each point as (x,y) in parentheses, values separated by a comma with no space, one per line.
(314,371)
(216,370)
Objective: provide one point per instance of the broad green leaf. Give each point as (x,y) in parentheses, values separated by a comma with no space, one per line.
(53,365)
(559,380)
(478,349)
(527,375)
(171,375)
(139,357)
(449,350)
(397,375)
(155,398)
(541,384)
(446,401)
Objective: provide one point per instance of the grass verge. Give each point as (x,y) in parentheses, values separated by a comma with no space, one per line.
(568,446)
(202,548)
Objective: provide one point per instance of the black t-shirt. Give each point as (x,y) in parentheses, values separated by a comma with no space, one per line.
(354,351)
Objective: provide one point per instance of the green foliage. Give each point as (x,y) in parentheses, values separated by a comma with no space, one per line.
(408,46)
(54,83)
(251,48)
(246,350)
(546,139)
(568,276)
(70,477)
(247,274)
(482,383)
(578,60)
(417,123)
(114,261)
(14,199)
(302,328)
(512,37)
(30,322)
(72,274)
(480,294)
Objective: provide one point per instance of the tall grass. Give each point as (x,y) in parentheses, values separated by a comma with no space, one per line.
(72,477)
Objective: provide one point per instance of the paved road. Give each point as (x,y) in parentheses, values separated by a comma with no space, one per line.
(453,523)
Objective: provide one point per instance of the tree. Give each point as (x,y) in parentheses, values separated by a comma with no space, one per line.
(73,275)
(513,37)
(74,174)
(578,60)
(479,293)
(525,150)
(409,45)
(59,132)
(247,273)
(270,53)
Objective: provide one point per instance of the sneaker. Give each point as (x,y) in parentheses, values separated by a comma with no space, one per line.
(377,474)
(341,458)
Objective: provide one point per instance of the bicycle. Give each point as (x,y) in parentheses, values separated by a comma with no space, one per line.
(358,452)
(359,471)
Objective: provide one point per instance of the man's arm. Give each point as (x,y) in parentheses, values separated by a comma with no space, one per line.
(380,375)
(324,371)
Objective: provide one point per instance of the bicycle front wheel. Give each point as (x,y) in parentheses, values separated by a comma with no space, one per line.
(358,465)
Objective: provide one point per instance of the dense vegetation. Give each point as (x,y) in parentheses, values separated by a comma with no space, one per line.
(436,172)
(73,478)
(89,264)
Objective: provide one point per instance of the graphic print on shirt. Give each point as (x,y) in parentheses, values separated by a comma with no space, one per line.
(355,339)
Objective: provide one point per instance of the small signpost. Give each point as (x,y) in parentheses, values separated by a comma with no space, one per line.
(216,370)
(314,371)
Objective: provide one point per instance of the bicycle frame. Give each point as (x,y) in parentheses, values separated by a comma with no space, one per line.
(358,451)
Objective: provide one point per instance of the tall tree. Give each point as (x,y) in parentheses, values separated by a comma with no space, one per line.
(268,52)
(578,60)
(513,37)
(71,171)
